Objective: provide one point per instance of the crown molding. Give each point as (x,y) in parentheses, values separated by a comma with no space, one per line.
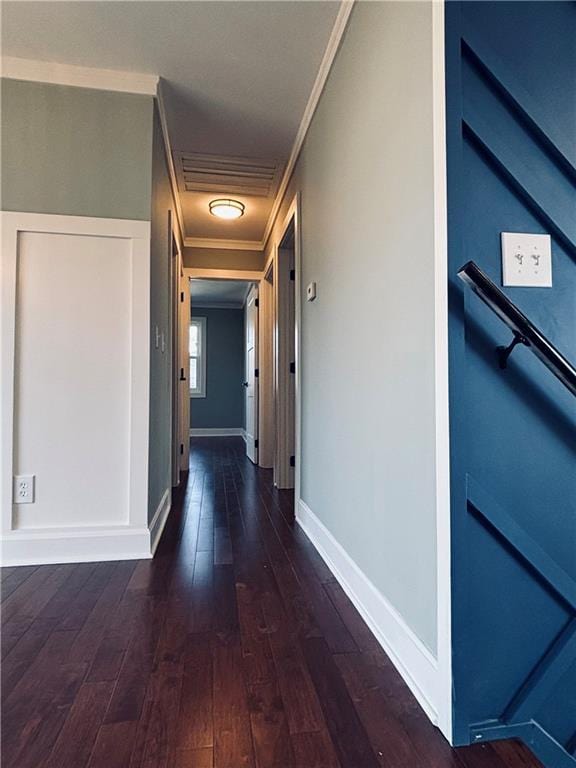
(227,245)
(325,66)
(14,68)
(170,158)
(151,85)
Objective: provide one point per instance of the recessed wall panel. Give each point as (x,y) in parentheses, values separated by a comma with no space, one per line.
(72,379)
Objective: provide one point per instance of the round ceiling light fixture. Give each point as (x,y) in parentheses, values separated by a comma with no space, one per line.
(225,208)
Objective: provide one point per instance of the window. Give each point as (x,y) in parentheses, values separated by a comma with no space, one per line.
(198,357)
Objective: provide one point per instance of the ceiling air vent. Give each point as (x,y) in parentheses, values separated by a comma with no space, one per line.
(227,175)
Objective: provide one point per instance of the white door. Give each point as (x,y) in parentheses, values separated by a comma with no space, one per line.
(251,381)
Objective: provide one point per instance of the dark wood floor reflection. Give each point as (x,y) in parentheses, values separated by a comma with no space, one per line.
(233,647)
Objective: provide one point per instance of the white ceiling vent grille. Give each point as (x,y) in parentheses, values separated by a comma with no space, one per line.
(227,175)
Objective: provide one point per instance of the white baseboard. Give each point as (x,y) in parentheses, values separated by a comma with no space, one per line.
(159,520)
(216,432)
(409,655)
(50,546)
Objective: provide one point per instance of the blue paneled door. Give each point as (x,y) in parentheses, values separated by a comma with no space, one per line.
(511,140)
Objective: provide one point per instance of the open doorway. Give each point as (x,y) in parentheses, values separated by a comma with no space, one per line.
(179,328)
(176,361)
(285,368)
(223,366)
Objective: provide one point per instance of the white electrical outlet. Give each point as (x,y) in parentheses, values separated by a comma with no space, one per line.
(526,260)
(24,489)
(310,291)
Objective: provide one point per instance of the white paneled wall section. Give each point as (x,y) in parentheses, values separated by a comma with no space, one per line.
(75,295)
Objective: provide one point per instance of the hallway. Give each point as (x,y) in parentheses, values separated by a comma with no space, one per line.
(233,647)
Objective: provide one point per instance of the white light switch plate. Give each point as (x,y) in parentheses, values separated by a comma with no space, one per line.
(310,291)
(526,260)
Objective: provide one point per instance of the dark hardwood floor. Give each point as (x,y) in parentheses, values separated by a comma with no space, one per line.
(233,647)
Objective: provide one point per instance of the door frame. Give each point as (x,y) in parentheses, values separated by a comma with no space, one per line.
(183,286)
(253,295)
(180,407)
(249,276)
(293,214)
(266,410)
(174,252)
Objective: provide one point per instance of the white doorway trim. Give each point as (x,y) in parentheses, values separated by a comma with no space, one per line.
(179,332)
(183,383)
(251,373)
(251,275)
(266,410)
(293,215)
(265,352)
(442,410)
(174,256)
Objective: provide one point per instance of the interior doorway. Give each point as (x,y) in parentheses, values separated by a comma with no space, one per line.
(176,393)
(285,368)
(179,300)
(224,355)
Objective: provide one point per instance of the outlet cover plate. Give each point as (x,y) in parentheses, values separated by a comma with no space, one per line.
(526,260)
(24,489)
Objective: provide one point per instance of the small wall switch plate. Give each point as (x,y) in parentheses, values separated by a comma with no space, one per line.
(24,489)
(310,291)
(157,339)
(526,260)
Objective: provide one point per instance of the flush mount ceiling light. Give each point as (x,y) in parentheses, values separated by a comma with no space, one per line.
(225,208)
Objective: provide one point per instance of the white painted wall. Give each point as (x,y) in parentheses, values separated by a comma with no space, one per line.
(72,393)
(373,385)
(74,331)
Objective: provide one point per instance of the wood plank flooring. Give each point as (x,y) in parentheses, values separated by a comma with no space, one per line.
(233,648)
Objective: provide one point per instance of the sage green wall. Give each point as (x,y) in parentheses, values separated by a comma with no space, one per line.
(75,151)
(223,258)
(365,176)
(159,471)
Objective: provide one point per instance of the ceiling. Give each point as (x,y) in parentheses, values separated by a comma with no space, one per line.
(224,293)
(236,76)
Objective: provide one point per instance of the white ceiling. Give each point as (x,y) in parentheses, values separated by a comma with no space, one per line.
(237,75)
(230,293)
